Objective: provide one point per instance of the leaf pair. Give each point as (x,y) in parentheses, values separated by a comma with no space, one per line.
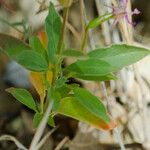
(26,98)
(102,62)
(87,108)
(83,106)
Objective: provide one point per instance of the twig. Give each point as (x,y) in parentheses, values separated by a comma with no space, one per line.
(60,145)
(13,139)
(41,127)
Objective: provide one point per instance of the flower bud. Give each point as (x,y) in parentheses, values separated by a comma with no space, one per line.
(66,3)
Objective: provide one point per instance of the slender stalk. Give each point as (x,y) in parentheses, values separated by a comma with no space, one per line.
(41,143)
(60,44)
(86,31)
(84,40)
(41,128)
(61,39)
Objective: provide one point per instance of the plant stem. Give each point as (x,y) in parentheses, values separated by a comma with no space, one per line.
(61,39)
(60,44)
(84,39)
(41,127)
(45,138)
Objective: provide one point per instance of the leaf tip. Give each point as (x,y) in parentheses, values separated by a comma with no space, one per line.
(9,90)
(107,126)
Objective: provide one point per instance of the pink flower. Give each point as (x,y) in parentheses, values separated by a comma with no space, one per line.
(121,12)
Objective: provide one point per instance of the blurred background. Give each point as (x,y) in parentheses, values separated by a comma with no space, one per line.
(129,96)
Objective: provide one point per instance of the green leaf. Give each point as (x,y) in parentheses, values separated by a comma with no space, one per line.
(94,69)
(56,95)
(63,90)
(99,20)
(37,45)
(38,117)
(119,55)
(92,103)
(11,45)
(71,107)
(72,53)
(60,82)
(32,60)
(53,30)
(102,62)
(107,77)
(24,97)
(51,122)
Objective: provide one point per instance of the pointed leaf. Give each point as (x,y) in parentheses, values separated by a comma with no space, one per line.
(24,97)
(37,45)
(32,60)
(53,29)
(51,121)
(107,77)
(91,69)
(99,20)
(38,117)
(71,107)
(91,102)
(119,55)
(11,45)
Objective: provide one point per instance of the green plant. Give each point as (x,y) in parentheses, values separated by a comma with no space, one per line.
(43,58)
